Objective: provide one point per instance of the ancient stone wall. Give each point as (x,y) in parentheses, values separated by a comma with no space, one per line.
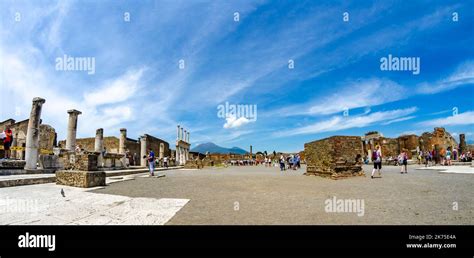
(19,129)
(334,157)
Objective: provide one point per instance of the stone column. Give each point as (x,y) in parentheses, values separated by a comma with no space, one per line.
(33,134)
(177,155)
(99,140)
(72,129)
(142,151)
(188,137)
(462,143)
(123,138)
(177,133)
(14,144)
(184,135)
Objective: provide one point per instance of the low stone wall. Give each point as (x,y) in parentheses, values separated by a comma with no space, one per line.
(193,164)
(82,179)
(335,157)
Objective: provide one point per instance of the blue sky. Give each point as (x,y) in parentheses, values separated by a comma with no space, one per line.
(138,84)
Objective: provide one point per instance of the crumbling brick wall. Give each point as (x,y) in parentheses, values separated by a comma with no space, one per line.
(334,157)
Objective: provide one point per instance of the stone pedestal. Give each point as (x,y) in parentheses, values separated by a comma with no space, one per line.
(82,179)
(335,157)
(33,134)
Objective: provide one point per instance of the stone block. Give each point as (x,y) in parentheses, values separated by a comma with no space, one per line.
(335,157)
(82,179)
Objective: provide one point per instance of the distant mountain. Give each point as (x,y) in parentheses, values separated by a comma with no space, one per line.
(213,148)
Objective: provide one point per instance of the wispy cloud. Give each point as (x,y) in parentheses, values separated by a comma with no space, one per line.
(466,118)
(337,123)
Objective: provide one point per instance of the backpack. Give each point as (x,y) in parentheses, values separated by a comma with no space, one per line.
(374,155)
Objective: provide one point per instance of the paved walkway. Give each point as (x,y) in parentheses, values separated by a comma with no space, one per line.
(44,205)
(451,169)
(260,195)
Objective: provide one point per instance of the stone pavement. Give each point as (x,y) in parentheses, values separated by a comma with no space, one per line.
(451,169)
(44,205)
(258,195)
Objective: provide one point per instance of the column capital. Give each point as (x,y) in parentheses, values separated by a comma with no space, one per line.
(74,111)
(99,131)
(39,100)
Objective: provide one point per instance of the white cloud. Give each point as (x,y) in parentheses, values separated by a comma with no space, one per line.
(465,118)
(464,74)
(115,91)
(364,93)
(398,120)
(337,123)
(233,122)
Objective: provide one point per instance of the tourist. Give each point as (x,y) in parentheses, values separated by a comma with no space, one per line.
(448,157)
(282,163)
(7,141)
(377,158)
(298,161)
(403,158)
(165,162)
(427,158)
(151,161)
(266,161)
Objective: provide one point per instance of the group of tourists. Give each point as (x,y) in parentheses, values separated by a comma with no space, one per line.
(290,162)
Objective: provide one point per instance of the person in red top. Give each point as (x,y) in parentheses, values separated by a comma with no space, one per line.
(7,141)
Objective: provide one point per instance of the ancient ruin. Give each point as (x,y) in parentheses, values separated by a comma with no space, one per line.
(335,157)
(182,146)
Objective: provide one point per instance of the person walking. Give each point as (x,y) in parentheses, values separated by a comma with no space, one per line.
(377,158)
(404,162)
(282,163)
(448,157)
(151,161)
(165,162)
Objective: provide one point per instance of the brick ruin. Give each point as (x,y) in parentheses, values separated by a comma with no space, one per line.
(47,138)
(439,139)
(335,157)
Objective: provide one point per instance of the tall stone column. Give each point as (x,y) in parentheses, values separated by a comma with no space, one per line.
(123,138)
(462,143)
(142,151)
(72,129)
(177,133)
(99,140)
(185,136)
(33,134)
(182,134)
(188,138)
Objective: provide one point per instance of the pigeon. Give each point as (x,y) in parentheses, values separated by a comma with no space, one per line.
(62,193)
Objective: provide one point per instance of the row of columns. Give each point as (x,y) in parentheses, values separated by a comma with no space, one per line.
(33,134)
(182,145)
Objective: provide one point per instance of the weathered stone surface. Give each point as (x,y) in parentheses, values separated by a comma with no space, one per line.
(82,179)
(80,161)
(15,164)
(50,162)
(334,157)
